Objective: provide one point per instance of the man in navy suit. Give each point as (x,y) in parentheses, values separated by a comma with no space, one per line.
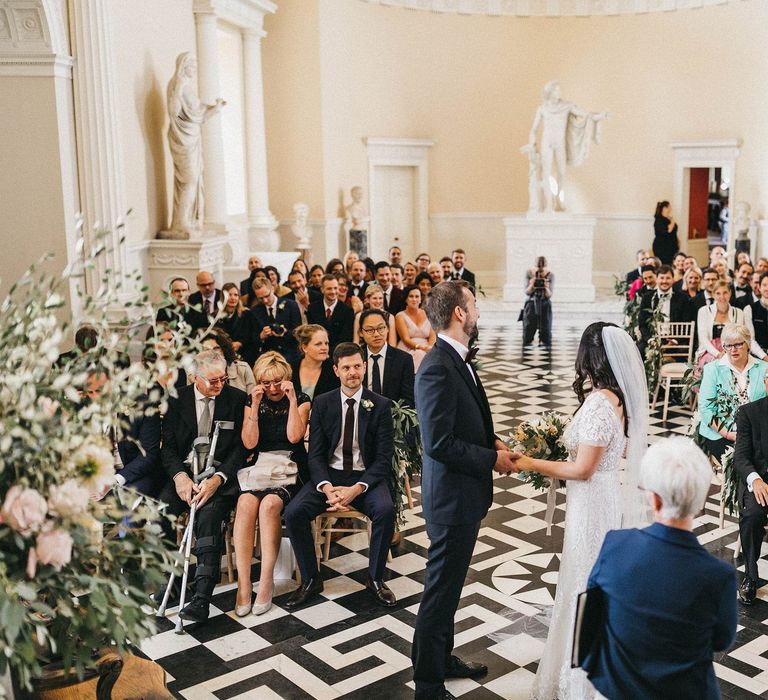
(460,452)
(393,297)
(389,371)
(350,462)
(668,603)
(337,318)
(208,297)
(274,321)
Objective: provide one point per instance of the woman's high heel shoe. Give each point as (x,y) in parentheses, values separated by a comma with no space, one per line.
(261,608)
(242,610)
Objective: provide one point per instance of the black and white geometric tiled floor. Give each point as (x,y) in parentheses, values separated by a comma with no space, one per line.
(345,646)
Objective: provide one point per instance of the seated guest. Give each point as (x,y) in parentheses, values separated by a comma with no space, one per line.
(678,265)
(459,258)
(301,266)
(276,420)
(711,320)
(393,297)
(691,286)
(350,463)
(180,312)
(395,255)
(742,257)
(273,275)
(313,373)
(635,273)
(422,262)
(334,267)
(194,414)
(353,303)
(337,319)
(300,292)
(374,299)
(738,375)
(208,297)
(424,282)
(357,283)
(86,338)
(762,265)
(741,286)
(674,306)
(751,463)
(645,284)
(709,278)
(274,321)
(669,604)
(254,263)
(759,316)
(315,276)
(239,373)
(754,283)
(435,271)
(397,275)
(416,334)
(389,370)
(409,274)
(251,301)
(349,259)
(237,323)
(447,266)
(721,267)
(370,270)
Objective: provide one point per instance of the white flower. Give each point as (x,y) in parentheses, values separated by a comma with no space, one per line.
(48,406)
(71,498)
(24,510)
(367,404)
(281,306)
(94,464)
(54,547)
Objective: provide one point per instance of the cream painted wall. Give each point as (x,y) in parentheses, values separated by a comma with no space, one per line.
(148,36)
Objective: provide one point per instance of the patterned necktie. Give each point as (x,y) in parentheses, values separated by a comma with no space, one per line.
(208,307)
(349,433)
(204,425)
(328,314)
(376,374)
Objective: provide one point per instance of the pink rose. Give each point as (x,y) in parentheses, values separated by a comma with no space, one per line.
(24,510)
(68,499)
(54,547)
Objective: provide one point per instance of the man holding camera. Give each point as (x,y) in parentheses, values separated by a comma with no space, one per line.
(537,312)
(274,321)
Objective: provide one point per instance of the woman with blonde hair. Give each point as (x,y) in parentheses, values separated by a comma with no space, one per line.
(711,319)
(275,422)
(237,323)
(374,299)
(313,373)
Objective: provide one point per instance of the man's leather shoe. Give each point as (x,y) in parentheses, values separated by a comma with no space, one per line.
(442,694)
(747,591)
(381,592)
(197,610)
(457,668)
(304,593)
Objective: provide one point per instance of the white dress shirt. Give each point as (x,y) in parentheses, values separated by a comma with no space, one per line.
(199,408)
(369,370)
(463,351)
(330,308)
(664,300)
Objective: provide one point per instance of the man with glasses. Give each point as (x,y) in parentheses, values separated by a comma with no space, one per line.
(207,297)
(274,321)
(389,371)
(191,415)
(422,262)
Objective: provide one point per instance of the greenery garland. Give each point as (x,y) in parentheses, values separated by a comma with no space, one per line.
(407,456)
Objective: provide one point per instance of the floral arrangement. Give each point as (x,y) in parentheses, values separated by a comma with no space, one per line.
(75,564)
(654,350)
(631,306)
(540,439)
(407,451)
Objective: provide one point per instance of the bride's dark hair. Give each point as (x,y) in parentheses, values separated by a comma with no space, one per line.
(592,365)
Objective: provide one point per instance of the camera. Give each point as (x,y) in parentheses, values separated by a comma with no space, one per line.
(276,328)
(539,282)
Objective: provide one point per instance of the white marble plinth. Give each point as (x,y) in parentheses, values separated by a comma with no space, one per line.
(262,235)
(565,240)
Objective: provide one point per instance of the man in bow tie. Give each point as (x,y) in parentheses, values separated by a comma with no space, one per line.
(675,307)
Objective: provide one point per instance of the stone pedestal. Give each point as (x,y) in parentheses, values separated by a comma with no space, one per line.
(565,241)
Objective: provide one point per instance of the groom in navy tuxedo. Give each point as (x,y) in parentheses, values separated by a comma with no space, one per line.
(460,454)
(351,443)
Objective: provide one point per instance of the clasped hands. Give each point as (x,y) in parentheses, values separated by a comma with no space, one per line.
(189,492)
(508,462)
(339,497)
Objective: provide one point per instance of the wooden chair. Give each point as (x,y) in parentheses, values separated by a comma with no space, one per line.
(325,526)
(717,468)
(676,358)
(406,484)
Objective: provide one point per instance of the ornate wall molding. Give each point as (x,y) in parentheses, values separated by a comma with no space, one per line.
(548,8)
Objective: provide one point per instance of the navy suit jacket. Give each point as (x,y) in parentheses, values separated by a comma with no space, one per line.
(340,326)
(669,605)
(398,374)
(140,453)
(374,435)
(751,449)
(457,437)
(287,314)
(196,300)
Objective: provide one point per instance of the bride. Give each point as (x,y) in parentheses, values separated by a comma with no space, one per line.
(612,421)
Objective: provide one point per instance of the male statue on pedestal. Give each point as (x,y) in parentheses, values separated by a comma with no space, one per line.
(356,222)
(565,137)
(187,115)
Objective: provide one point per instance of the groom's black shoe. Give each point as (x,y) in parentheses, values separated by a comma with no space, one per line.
(456,668)
(747,591)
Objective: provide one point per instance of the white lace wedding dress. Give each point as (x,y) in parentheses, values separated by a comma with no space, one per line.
(592,508)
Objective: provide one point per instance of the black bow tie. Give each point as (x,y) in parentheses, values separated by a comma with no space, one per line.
(471,355)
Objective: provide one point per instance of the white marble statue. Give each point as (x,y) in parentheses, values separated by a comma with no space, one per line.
(187,115)
(566,133)
(744,227)
(301,228)
(356,222)
(534,178)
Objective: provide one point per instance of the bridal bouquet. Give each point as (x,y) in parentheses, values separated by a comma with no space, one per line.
(540,439)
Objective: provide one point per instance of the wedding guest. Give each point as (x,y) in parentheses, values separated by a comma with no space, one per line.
(537,311)
(349,259)
(207,297)
(353,302)
(370,270)
(138,446)
(397,275)
(754,283)
(237,323)
(350,463)
(180,312)
(422,262)
(460,453)
(709,278)
(193,413)
(742,290)
(274,321)
(446,264)
(742,257)
(721,266)
(316,276)
(254,263)
(644,284)
(393,297)
(251,301)
(276,421)
(762,265)
(389,371)
(435,271)
(357,283)
(678,265)
(239,373)
(409,274)
(416,334)
(674,306)
(395,255)
(665,242)
(301,266)
(334,266)
(459,258)
(338,319)
(313,373)
(635,273)
(374,299)
(300,292)
(759,315)
(751,464)
(685,597)
(691,287)
(425,284)
(737,375)
(273,275)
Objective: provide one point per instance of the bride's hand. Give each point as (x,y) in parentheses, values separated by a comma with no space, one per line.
(523,463)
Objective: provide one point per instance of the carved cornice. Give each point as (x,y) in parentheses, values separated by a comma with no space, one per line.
(34,38)
(548,8)
(245,14)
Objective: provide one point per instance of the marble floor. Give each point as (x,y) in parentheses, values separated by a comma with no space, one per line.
(345,646)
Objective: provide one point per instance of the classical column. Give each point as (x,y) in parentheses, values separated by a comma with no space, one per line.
(99,162)
(214,185)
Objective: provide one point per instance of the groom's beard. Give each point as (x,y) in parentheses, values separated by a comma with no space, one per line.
(471,331)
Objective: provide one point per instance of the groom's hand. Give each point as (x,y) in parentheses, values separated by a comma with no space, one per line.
(501,446)
(505,462)
(760,489)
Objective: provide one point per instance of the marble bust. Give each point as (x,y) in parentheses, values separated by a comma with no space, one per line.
(356,222)
(187,114)
(566,134)
(743,226)
(301,228)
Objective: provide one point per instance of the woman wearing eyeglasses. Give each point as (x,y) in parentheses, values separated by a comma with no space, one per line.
(416,334)
(736,375)
(374,299)
(276,421)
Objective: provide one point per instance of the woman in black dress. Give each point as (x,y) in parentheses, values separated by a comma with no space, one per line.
(237,322)
(275,421)
(665,243)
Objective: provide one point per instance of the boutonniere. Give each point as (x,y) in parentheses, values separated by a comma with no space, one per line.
(367,404)
(281,306)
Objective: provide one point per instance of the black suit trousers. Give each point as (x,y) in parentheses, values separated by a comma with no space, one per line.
(450,551)
(308,503)
(752,521)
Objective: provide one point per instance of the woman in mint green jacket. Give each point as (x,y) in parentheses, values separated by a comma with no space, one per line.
(737,375)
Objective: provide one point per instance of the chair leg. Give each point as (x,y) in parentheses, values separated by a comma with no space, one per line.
(408,494)
(655,395)
(722,503)
(328,525)
(667,389)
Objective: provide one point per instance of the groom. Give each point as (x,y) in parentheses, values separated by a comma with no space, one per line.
(460,453)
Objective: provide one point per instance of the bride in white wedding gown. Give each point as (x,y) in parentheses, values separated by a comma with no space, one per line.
(612,419)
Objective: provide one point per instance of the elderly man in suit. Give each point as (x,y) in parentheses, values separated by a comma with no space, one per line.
(337,318)
(207,296)
(460,453)
(194,414)
(350,463)
(274,321)
(668,603)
